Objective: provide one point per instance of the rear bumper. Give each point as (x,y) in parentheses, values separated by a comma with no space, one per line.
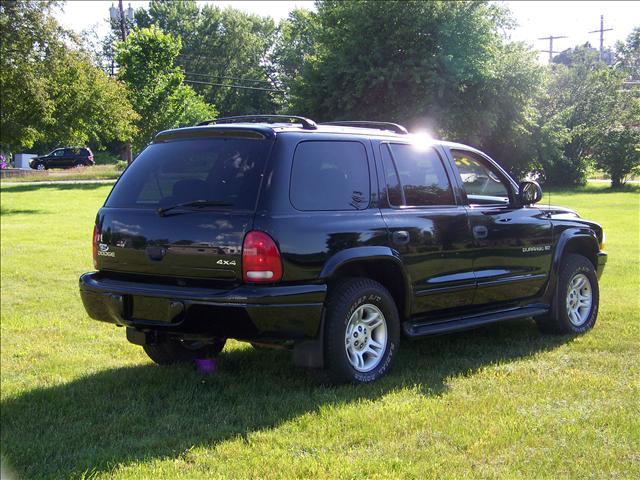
(602,261)
(276,312)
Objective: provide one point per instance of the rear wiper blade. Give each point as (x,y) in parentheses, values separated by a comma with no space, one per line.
(195,204)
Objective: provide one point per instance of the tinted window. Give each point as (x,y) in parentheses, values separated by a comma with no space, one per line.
(330,176)
(222,169)
(418,174)
(481,184)
(58,153)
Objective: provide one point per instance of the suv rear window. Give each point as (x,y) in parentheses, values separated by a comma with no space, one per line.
(185,170)
(329,175)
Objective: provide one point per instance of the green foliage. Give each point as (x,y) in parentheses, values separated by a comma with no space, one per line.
(147,66)
(409,62)
(628,55)
(583,101)
(51,93)
(618,154)
(223,47)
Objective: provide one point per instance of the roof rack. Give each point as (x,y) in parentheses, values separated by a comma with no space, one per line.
(394,127)
(307,124)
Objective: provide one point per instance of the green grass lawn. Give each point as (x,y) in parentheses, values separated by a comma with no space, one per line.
(96,172)
(499,402)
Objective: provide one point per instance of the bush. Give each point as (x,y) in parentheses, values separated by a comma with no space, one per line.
(105,158)
(121,165)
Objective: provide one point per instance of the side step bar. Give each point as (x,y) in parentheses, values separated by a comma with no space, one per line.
(420,328)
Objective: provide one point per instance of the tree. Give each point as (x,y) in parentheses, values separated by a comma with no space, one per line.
(583,104)
(226,51)
(617,153)
(50,91)
(147,66)
(441,66)
(293,50)
(628,55)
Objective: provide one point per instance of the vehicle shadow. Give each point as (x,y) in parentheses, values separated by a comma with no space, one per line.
(130,414)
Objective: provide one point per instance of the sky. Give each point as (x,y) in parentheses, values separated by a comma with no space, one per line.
(535,19)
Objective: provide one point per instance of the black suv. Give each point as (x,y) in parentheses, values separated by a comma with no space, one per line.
(67,157)
(332,239)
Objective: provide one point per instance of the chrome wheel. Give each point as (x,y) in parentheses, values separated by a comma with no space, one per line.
(579,299)
(40,166)
(365,338)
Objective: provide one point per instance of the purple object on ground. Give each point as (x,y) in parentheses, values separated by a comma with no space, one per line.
(206,365)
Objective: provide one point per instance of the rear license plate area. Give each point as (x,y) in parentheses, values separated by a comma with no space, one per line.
(151,309)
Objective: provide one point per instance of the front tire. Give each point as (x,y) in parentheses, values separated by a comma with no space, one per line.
(40,166)
(177,351)
(362,331)
(577,298)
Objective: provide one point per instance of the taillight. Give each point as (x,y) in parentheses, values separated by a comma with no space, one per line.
(260,258)
(96,239)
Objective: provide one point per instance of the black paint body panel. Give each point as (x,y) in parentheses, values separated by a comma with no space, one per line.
(457,262)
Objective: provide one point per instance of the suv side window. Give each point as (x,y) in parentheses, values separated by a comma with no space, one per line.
(330,175)
(482,185)
(58,153)
(415,178)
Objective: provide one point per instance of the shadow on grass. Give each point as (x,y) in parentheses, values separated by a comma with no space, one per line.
(144,412)
(17,211)
(32,187)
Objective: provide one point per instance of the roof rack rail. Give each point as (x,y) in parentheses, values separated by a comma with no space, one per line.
(394,127)
(307,124)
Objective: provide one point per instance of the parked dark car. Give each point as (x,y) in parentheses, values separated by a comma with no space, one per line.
(334,240)
(67,157)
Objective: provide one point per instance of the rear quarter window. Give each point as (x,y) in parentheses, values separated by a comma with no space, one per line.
(330,175)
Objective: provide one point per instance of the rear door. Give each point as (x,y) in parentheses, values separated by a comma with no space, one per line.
(140,232)
(511,244)
(426,226)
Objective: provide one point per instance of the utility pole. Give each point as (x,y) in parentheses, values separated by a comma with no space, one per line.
(123,28)
(551,51)
(601,31)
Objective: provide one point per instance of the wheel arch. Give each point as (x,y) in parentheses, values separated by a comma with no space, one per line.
(582,241)
(381,264)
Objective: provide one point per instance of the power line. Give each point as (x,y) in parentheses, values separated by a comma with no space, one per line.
(551,38)
(234,86)
(228,78)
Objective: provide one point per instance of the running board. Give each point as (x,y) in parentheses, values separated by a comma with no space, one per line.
(420,328)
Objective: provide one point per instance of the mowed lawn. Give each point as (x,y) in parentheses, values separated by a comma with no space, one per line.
(499,402)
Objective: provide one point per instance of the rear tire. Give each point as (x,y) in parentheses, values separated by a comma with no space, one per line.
(576,300)
(176,351)
(362,331)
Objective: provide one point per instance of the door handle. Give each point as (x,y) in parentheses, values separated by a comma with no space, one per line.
(400,237)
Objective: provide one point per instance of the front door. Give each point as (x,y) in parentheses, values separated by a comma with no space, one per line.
(512,244)
(427,226)
(56,159)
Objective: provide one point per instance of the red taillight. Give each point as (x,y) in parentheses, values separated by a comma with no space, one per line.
(260,258)
(96,239)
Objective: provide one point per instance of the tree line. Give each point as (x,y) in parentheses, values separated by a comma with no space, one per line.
(444,67)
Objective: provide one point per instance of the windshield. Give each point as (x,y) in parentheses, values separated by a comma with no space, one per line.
(223,170)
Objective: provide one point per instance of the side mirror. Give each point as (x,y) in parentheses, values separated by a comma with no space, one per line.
(530,192)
